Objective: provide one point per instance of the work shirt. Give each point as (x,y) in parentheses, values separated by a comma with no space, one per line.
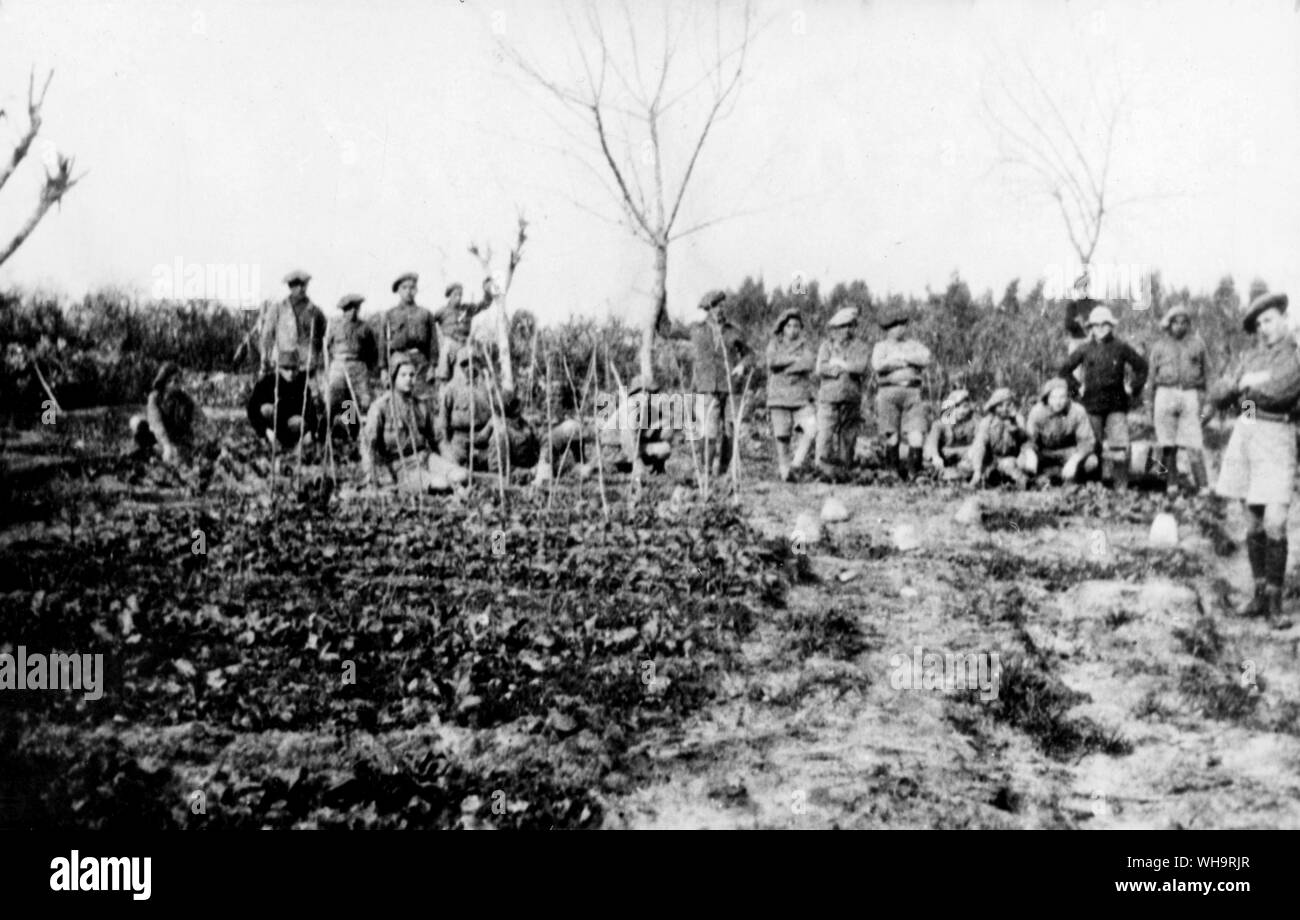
(397,426)
(842,385)
(410,329)
(457,402)
(1103,374)
(711,361)
(286,327)
(351,339)
(1000,437)
(1048,430)
(899,364)
(790,367)
(1278,394)
(454,322)
(949,436)
(1180,363)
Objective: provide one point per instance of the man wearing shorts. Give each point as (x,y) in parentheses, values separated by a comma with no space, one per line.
(1259,463)
(1179,369)
(900,412)
(790,363)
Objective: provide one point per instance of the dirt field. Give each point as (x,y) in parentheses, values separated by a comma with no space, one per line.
(683,665)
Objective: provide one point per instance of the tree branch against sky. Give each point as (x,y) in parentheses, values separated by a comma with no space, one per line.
(57,182)
(646,113)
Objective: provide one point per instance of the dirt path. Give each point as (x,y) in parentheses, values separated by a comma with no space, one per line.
(813,734)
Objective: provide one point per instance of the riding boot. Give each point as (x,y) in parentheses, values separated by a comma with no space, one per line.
(1257,553)
(1169,460)
(1275,575)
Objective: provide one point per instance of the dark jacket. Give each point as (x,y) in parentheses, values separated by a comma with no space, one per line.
(710,365)
(290,404)
(1103,374)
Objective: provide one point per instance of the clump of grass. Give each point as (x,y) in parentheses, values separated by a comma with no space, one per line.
(1017,519)
(1203,640)
(833,633)
(1151,707)
(1219,694)
(1117,618)
(1036,702)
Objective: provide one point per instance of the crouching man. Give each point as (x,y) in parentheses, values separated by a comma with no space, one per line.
(399,438)
(281,408)
(634,437)
(1059,436)
(1259,463)
(948,444)
(999,437)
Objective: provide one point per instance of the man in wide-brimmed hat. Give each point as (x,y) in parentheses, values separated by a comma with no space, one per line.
(999,436)
(1104,361)
(408,328)
(951,436)
(353,354)
(901,415)
(1179,373)
(293,324)
(721,362)
(1058,435)
(1259,463)
(791,360)
(842,364)
(454,321)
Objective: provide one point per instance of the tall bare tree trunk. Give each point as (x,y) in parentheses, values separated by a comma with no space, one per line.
(657,315)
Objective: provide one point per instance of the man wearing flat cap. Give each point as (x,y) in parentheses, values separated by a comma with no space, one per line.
(1179,373)
(1259,463)
(408,328)
(999,436)
(841,369)
(353,353)
(901,414)
(948,444)
(293,324)
(1104,361)
(721,354)
(791,360)
(454,321)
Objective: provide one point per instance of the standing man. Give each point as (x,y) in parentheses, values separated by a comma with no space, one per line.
(293,324)
(1180,371)
(790,364)
(1259,463)
(720,356)
(408,327)
(353,354)
(842,362)
(454,321)
(900,413)
(1105,397)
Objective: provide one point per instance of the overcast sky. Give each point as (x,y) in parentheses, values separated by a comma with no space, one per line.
(359,140)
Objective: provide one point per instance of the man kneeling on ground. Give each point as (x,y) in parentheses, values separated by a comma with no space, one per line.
(950,437)
(1059,436)
(281,407)
(998,439)
(172,419)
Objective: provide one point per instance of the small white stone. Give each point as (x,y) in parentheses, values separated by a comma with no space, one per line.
(833,510)
(906,537)
(807,527)
(1164,531)
(969,512)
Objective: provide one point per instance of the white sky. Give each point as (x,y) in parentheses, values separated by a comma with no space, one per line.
(358,140)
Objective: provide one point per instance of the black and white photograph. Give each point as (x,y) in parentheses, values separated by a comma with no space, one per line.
(658,415)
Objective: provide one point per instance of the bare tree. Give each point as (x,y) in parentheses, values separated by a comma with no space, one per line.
(1068,158)
(57,183)
(484,256)
(628,103)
